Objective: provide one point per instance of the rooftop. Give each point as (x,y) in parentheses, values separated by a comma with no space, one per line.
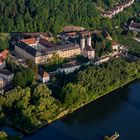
(46,43)
(73,28)
(5,72)
(29,41)
(135,25)
(3,55)
(70,64)
(35,34)
(27,48)
(43,74)
(118,7)
(47,48)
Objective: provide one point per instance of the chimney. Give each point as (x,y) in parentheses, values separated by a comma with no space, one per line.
(89,40)
(83,42)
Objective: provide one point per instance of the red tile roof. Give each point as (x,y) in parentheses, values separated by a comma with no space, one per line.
(43,74)
(0,62)
(29,41)
(3,56)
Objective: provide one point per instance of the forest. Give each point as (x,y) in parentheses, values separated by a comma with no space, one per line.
(53,15)
(27,108)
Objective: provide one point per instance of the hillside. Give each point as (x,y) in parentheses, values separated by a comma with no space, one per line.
(52,15)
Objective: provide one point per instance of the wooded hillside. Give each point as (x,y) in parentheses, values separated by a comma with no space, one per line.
(52,15)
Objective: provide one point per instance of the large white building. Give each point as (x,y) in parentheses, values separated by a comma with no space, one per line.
(40,51)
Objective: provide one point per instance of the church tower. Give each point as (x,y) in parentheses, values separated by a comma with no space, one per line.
(89,40)
(82,42)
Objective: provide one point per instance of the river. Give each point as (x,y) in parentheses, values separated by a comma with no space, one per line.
(118,111)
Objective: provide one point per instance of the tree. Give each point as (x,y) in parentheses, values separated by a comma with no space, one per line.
(53,15)
(3,45)
(41,91)
(54,62)
(19,80)
(24,78)
(3,135)
(33,66)
(73,95)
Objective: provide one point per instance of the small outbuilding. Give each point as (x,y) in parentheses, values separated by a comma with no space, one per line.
(43,76)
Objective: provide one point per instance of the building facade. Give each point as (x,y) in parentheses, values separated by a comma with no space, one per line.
(43,50)
(70,67)
(100,61)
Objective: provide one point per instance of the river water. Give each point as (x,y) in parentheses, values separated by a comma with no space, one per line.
(118,111)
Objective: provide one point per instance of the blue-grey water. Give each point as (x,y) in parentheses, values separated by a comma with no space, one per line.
(118,111)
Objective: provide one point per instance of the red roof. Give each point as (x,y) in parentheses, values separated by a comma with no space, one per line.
(0,62)
(29,41)
(43,74)
(4,54)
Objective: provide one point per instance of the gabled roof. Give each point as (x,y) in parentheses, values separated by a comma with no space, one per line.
(70,64)
(27,48)
(35,34)
(4,54)
(135,25)
(43,74)
(72,28)
(29,41)
(45,43)
(5,72)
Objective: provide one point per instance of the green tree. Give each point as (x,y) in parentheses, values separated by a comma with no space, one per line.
(73,95)
(3,45)
(24,78)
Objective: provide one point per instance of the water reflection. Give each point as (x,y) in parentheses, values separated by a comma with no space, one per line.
(118,111)
(99,110)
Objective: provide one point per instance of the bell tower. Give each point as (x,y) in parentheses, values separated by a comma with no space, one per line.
(89,40)
(83,42)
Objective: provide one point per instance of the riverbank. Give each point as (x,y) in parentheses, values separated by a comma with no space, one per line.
(69,111)
(97,119)
(88,85)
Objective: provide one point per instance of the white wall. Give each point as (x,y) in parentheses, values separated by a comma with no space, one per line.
(70,69)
